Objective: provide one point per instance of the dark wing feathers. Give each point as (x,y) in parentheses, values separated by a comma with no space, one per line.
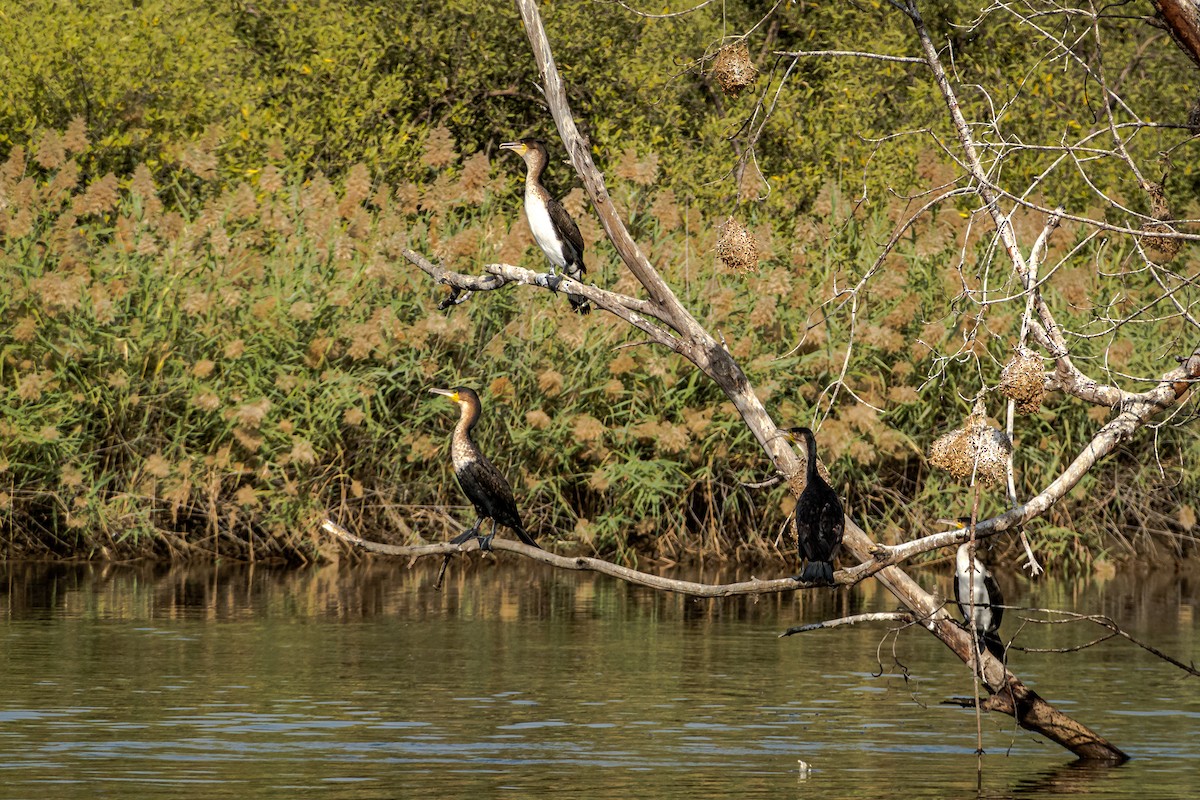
(492,497)
(487,490)
(820,533)
(993,592)
(572,238)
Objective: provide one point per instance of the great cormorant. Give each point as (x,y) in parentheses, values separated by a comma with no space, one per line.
(481,482)
(553,229)
(975,586)
(820,520)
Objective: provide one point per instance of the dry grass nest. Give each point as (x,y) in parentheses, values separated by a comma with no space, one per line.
(1164,247)
(976,449)
(733,68)
(1022,381)
(736,247)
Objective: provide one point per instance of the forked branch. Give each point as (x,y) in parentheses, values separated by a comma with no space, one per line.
(665,318)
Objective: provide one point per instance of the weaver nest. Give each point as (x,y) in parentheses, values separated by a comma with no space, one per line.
(1022,381)
(1164,247)
(733,68)
(736,247)
(974,449)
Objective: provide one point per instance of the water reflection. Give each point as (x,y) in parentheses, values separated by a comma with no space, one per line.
(364,682)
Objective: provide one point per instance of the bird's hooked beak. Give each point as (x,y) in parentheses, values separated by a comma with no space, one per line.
(517,147)
(453,395)
(786,433)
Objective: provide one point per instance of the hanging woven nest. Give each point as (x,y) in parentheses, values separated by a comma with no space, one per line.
(1022,381)
(974,449)
(733,68)
(1166,248)
(736,247)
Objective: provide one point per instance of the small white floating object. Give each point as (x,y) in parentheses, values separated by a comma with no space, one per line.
(805,768)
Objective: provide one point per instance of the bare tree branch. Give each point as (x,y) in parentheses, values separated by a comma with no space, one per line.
(683,334)
(1183,21)
(879,616)
(630,309)
(1138,409)
(851,53)
(1103,621)
(581,563)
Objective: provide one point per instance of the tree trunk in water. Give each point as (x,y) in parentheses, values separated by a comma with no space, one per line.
(699,346)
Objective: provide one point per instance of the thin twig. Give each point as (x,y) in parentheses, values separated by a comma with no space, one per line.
(1103,621)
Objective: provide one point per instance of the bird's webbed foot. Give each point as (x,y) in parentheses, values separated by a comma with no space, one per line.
(485,542)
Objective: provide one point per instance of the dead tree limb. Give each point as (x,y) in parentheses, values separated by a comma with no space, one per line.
(1183,21)
(879,616)
(1106,622)
(1030,710)
(668,322)
(578,563)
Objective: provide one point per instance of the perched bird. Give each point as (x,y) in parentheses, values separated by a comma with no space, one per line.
(481,482)
(978,599)
(820,520)
(553,229)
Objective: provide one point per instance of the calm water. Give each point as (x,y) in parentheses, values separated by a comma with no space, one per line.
(521,681)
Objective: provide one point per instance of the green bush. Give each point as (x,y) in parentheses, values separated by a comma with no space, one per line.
(210,339)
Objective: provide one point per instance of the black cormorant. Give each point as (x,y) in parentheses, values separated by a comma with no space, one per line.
(820,520)
(482,483)
(553,229)
(975,586)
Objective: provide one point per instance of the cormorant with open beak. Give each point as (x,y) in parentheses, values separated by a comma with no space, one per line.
(820,521)
(979,600)
(553,229)
(481,482)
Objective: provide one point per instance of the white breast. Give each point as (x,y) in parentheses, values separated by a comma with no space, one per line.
(971,588)
(460,454)
(543,231)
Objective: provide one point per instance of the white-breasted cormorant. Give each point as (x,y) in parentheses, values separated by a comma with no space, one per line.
(481,482)
(553,229)
(820,520)
(975,587)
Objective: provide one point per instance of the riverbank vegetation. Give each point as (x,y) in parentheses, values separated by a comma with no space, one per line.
(210,342)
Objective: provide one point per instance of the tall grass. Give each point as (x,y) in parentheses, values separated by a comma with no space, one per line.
(207,370)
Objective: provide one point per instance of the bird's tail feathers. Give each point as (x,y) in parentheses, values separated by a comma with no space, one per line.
(577,271)
(524,536)
(993,644)
(817,572)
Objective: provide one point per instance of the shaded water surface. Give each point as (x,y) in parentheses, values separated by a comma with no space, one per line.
(517,680)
